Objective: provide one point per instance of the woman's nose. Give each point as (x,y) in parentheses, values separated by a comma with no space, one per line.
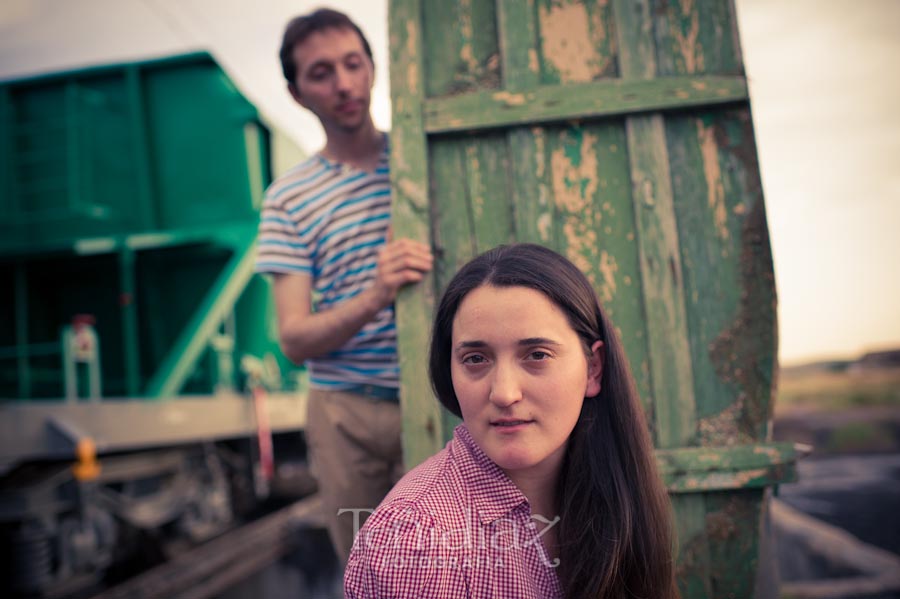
(505,387)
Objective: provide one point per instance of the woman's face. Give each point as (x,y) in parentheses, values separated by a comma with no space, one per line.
(520,374)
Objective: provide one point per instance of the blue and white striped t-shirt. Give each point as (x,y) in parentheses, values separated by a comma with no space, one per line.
(329,221)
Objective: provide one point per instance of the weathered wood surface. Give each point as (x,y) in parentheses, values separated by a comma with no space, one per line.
(672,400)
(410,213)
(692,469)
(483,109)
(619,134)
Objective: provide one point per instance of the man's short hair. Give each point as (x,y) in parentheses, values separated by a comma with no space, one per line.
(300,28)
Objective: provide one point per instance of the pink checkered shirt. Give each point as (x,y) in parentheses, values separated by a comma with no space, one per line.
(453,527)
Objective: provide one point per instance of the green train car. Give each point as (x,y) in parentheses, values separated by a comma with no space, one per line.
(133,324)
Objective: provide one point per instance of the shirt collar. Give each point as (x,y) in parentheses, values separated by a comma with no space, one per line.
(494,495)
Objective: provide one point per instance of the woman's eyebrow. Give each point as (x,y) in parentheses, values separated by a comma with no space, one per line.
(538,341)
(471,344)
(527,342)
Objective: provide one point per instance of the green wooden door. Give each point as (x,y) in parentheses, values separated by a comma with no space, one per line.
(618,133)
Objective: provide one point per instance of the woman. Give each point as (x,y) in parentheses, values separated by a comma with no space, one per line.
(549,487)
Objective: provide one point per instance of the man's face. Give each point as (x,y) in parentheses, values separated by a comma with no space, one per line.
(334,78)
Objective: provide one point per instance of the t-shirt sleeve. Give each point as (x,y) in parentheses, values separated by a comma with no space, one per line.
(399,554)
(280,248)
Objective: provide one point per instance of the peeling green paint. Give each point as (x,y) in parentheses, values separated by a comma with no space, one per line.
(648,181)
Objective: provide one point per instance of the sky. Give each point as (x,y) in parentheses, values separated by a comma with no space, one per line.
(824,90)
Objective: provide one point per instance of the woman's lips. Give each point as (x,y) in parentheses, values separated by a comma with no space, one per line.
(510,425)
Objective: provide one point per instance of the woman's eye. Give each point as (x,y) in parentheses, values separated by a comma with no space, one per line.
(474,359)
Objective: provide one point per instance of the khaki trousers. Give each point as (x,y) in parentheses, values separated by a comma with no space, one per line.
(356,455)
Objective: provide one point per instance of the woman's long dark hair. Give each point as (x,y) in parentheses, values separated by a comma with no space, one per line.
(615,528)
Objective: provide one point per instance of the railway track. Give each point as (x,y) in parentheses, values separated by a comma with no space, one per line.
(214,567)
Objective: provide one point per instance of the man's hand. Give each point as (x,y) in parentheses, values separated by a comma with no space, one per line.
(400,262)
(304,334)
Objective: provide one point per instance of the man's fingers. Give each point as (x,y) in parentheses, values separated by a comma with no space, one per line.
(406,244)
(412,276)
(403,257)
(404,263)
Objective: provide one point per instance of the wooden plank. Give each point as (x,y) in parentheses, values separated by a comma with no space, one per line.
(688,44)
(663,293)
(529,190)
(727,260)
(739,457)
(410,213)
(471,208)
(696,36)
(452,226)
(453,230)
(461,53)
(587,170)
(728,480)
(729,301)
(693,562)
(443,44)
(487,177)
(674,409)
(710,221)
(517,28)
(534,211)
(479,26)
(489,108)
(722,468)
(732,520)
(576,41)
(745,353)
(634,32)
(692,40)
(670,356)
(475,209)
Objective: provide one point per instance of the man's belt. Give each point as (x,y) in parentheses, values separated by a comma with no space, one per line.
(374,391)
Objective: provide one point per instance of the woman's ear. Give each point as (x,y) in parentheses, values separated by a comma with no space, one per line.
(595,369)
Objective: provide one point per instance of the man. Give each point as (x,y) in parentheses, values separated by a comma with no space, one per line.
(325,238)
